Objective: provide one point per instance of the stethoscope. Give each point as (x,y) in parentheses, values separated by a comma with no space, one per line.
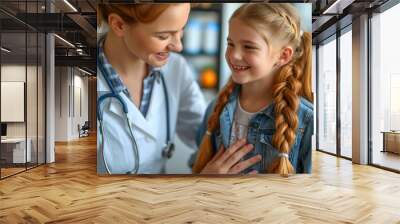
(168,149)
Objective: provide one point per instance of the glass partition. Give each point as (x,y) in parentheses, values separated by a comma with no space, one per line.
(346,93)
(327,96)
(13,103)
(22,88)
(385,89)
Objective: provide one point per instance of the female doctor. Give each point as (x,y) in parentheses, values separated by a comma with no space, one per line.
(146,93)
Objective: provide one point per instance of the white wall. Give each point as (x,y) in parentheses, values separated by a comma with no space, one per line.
(33,126)
(16,73)
(80,83)
(69,85)
(61,103)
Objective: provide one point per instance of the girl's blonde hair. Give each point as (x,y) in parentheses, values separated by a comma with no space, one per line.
(131,13)
(274,22)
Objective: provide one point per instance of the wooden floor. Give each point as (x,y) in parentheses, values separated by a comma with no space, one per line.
(10,171)
(388,159)
(69,191)
(5,172)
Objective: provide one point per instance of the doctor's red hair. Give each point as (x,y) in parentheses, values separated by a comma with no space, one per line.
(131,13)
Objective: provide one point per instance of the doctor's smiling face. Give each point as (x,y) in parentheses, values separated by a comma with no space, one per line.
(152,41)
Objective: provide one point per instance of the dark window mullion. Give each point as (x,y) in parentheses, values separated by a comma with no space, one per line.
(37,91)
(317,94)
(26,87)
(45,86)
(338,98)
(369,96)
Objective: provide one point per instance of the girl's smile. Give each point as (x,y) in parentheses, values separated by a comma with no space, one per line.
(248,55)
(238,68)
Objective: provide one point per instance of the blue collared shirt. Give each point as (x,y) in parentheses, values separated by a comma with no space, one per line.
(119,86)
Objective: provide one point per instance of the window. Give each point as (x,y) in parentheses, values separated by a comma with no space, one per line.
(385,89)
(346,93)
(327,96)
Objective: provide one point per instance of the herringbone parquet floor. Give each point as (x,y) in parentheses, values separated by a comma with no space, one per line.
(69,191)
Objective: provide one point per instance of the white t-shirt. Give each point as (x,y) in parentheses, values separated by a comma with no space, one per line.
(241,123)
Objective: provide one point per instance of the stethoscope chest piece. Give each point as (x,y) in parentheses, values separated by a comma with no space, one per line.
(168,150)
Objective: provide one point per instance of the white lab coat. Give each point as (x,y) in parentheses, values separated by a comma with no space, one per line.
(186,106)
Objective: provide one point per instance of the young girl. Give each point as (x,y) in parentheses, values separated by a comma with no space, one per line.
(267,99)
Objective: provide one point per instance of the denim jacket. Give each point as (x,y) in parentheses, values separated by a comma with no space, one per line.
(260,132)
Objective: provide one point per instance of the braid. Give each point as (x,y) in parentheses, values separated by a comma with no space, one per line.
(305,63)
(283,12)
(205,150)
(285,93)
(223,97)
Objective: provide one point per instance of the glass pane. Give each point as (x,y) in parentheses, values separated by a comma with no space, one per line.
(327,97)
(32,87)
(13,87)
(31,98)
(314,88)
(23,83)
(14,152)
(386,89)
(41,98)
(346,94)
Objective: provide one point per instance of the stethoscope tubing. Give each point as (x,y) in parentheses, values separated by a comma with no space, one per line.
(113,94)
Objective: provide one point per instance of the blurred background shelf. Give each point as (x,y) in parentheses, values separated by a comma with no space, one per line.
(202,44)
